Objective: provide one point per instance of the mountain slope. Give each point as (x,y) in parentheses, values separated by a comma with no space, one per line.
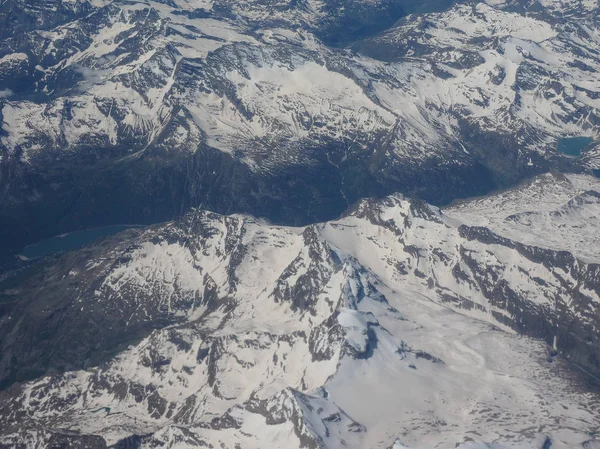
(393,326)
(133,112)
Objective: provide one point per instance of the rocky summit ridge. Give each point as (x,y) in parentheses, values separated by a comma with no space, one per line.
(398,325)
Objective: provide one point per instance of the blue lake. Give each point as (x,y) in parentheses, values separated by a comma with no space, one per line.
(573,146)
(71,241)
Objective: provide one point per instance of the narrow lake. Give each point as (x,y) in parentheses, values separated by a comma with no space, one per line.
(573,146)
(71,241)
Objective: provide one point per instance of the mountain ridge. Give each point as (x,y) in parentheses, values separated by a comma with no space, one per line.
(195,317)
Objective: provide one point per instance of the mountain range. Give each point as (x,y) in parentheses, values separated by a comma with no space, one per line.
(398,323)
(121,112)
(362,224)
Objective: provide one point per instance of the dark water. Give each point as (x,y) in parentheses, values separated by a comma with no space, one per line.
(573,146)
(70,242)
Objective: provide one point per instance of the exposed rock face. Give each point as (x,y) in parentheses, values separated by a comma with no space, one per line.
(133,112)
(228,331)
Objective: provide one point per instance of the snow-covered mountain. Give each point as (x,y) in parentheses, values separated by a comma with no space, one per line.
(398,325)
(135,111)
